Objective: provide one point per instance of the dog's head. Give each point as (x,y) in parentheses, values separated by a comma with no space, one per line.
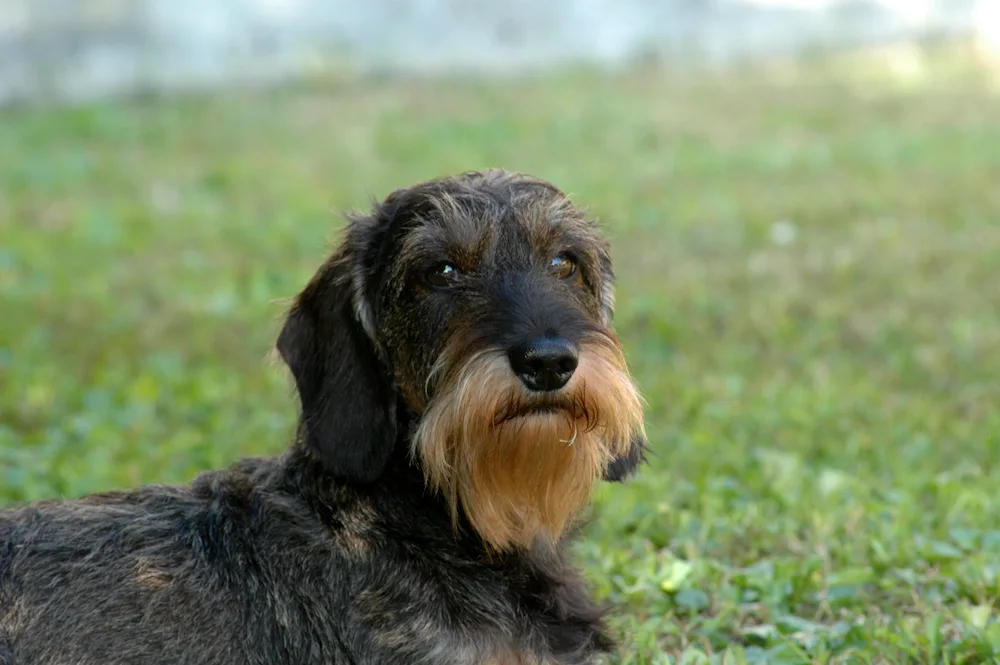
(472,316)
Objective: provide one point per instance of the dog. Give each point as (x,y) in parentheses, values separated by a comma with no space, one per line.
(461,394)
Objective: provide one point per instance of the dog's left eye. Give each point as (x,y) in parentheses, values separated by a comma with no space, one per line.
(441,274)
(563,266)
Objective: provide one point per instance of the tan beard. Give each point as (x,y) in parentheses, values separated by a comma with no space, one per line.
(522,465)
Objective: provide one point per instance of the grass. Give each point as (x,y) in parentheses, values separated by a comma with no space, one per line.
(809,268)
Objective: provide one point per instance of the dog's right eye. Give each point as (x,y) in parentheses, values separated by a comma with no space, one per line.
(441,274)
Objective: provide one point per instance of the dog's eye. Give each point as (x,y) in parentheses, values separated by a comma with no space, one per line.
(441,274)
(563,266)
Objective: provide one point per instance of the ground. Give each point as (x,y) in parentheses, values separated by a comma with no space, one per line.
(809,294)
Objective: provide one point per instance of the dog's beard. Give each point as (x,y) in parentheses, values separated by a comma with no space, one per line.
(519,464)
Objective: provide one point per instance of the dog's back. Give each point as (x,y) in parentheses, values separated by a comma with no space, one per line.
(102,579)
(158,575)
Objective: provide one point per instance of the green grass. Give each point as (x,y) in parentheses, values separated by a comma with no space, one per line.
(809,293)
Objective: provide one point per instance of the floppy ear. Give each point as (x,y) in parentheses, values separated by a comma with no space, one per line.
(622,466)
(347,395)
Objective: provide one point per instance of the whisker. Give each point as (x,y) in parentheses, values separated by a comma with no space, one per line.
(572,440)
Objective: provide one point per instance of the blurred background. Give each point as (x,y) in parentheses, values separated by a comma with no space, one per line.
(804,201)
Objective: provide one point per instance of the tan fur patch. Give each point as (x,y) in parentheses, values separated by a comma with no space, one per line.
(522,465)
(355,525)
(151,577)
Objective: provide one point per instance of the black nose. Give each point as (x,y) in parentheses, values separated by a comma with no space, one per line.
(544,363)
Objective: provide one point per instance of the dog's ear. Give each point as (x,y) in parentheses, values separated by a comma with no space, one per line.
(347,395)
(623,466)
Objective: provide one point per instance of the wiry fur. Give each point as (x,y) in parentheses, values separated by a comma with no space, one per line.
(423,512)
(521,466)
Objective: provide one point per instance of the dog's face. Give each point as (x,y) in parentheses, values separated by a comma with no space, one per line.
(474,311)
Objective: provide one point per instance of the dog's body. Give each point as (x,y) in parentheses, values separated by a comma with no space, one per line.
(274,562)
(420,516)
